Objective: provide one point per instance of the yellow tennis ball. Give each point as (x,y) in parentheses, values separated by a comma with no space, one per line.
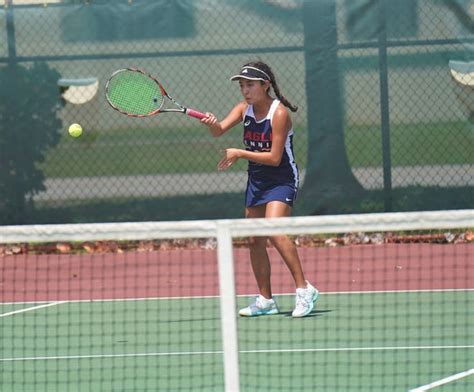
(75,130)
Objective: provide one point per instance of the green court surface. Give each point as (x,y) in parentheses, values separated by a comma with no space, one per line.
(383,341)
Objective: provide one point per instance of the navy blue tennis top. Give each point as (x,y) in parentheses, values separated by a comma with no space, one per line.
(258,137)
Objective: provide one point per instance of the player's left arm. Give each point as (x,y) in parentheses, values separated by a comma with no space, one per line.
(281,125)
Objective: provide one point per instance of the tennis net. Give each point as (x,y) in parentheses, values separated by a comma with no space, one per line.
(154,305)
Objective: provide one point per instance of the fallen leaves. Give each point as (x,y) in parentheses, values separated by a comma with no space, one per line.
(98,247)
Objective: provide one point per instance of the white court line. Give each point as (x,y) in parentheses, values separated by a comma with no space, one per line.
(298,350)
(30,309)
(443,381)
(239,296)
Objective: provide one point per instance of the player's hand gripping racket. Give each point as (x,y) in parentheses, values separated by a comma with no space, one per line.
(134,93)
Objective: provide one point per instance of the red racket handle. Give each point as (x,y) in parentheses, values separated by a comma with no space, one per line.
(195,114)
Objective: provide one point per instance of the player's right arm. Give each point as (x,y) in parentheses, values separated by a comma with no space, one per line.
(218,128)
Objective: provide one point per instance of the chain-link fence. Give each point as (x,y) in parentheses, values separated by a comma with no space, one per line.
(384,88)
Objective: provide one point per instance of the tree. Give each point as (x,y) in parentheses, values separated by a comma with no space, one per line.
(29,102)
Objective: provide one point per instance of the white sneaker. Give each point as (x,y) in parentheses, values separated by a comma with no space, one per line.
(305,299)
(260,307)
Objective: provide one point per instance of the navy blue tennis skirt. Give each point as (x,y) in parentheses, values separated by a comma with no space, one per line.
(261,191)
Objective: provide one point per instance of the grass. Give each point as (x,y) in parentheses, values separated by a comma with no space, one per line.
(169,151)
(132,152)
(412,144)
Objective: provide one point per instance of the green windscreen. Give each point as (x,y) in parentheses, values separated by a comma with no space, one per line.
(134,93)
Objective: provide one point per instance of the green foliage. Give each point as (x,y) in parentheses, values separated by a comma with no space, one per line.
(29,102)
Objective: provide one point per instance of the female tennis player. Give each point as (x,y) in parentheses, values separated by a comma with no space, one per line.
(272,178)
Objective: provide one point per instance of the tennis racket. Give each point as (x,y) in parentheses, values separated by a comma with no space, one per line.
(135,93)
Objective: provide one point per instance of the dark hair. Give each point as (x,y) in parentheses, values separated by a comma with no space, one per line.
(266,68)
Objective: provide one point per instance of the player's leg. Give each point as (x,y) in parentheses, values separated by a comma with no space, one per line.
(264,303)
(284,245)
(258,254)
(306,294)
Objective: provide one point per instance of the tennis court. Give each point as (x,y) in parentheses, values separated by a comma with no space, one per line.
(391,316)
(94,346)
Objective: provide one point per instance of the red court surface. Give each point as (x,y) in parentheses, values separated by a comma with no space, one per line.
(193,272)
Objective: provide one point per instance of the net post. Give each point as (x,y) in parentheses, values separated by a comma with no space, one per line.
(227,304)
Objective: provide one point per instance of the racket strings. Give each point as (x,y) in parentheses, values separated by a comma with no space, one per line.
(134,93)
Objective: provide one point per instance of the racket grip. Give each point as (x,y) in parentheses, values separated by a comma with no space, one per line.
(195,114)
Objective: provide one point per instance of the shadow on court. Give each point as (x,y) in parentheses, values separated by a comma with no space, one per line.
(190,320)
(314,313)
